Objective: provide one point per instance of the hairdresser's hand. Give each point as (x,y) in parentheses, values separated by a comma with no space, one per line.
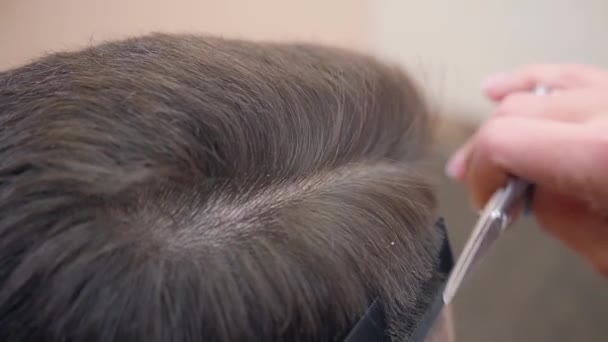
(557,141)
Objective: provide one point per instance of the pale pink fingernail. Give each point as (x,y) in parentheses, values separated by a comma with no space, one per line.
(455,166)
(493,82)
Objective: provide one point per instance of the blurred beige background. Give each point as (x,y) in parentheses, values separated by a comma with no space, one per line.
(31,27)
(454,44)
(449,45)
(531,288)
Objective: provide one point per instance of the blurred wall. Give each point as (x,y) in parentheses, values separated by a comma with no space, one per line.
(453,44)
(449,45)
(29,28)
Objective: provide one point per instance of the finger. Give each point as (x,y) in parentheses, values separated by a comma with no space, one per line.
(563,156)
(575,224)
(456,166)
(576,105)
(567,106)
(556,76)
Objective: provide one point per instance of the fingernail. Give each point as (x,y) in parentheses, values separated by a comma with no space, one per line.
(493,81)
(455,166)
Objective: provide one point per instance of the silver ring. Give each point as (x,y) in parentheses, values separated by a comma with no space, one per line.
(541,90)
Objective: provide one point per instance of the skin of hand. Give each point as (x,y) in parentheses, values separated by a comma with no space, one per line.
(558,141)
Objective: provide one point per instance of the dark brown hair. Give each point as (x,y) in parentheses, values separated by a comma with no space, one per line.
(183,188)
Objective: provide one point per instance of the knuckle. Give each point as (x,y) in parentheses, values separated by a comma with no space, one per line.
(572,74)
(569,76)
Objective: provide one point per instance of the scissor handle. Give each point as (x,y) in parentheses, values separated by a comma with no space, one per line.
(515,191)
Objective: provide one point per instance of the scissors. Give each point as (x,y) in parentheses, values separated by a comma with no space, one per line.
(496,217)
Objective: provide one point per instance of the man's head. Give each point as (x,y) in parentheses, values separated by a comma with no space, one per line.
(179,188)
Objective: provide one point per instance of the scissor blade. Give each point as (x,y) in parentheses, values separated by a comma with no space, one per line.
(486,232)
(495,217)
